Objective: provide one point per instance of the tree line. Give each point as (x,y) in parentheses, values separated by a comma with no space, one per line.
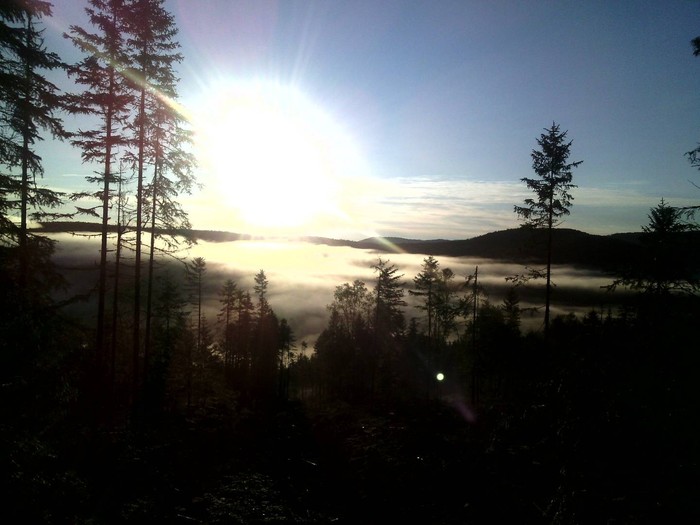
(136,138)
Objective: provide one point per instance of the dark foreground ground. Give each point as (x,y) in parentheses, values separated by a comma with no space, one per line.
(420,463)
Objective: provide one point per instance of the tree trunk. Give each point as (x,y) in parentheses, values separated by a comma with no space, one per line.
(139,228)
(149,290)
(102,284)
(548,291)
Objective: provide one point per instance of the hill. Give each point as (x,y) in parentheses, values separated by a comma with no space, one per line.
(520,245)
(529,246)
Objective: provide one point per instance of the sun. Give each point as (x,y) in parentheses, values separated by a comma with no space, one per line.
(277,161)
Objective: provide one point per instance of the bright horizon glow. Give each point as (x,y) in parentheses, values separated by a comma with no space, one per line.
(274,158)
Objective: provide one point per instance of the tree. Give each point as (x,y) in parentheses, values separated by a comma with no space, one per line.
(107,96)
(342,347)
(229,300)
(389,320)
(153,53)
(426,284)
(260,289)
(446,309)
(693,155)
(166,138)
(265,353)
(668,265)
(695,42)
(194,273)
(511,310)
(552,194)
(285,347)
(29,104)
(389,292)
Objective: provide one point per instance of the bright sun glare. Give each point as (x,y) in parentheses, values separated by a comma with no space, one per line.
(278,161)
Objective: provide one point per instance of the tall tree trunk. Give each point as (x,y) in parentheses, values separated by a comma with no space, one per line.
(139,228)
(548,291)
(476,364)
(115,297)
(24,188)
(149,289)
(102,284)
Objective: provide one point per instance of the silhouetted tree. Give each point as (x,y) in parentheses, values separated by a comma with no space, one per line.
(260,289)
(285,348)
(194,273)
(389,292)
(264,363)
(106,96)
(342,347)
(169,358)
(668,265)
(166,142)
(695,44)
(426,286)
(446,306)
(29,104)
(511,309)
(470,307)
(228,299)
(152,53)
(552,193)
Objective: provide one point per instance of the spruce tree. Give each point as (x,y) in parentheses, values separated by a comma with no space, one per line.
(552,194)
(153,54)
(389,317)
(426,286)
(29,104)
(229,301)
(107,96)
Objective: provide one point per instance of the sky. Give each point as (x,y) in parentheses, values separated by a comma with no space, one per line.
(417,119)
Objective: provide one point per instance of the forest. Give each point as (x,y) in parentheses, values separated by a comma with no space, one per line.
(423,399)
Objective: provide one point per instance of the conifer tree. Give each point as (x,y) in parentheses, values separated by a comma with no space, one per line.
(426,284)
(29,104)
(166,152)
(389,320)
(552,194)
(107,96)
(229,300)
(194,273)
(389,293)
(153,54)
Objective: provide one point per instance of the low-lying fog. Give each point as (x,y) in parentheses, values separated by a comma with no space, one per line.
(303,276)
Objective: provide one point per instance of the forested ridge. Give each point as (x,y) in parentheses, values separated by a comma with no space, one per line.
(423,399)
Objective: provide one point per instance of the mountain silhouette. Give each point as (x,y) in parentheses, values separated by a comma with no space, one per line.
(518,245)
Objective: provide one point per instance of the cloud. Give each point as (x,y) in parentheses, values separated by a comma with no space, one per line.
(447,208)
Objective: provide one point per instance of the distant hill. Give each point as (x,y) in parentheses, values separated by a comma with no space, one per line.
(521,245)
(525,245)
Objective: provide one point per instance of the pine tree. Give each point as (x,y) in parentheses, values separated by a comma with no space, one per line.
(552,194)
